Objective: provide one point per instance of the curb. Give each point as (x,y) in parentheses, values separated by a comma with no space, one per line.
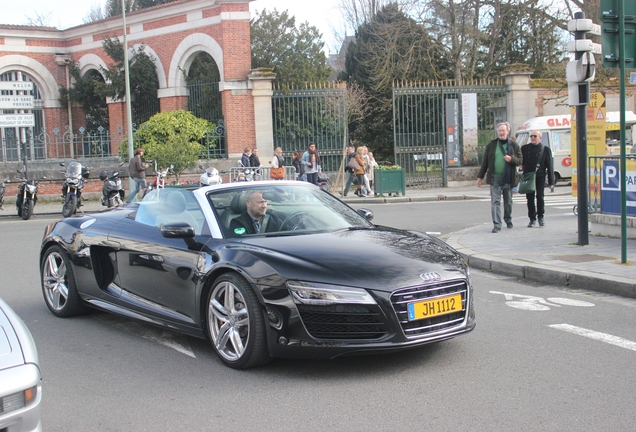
(580,280)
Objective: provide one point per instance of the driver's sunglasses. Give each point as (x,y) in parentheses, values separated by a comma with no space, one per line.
(534,136)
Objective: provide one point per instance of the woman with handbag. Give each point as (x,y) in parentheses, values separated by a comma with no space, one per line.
(277,171)
(537,160)
(358,170)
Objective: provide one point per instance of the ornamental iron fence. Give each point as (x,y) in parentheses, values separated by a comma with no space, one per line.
(318,115)
(442,124)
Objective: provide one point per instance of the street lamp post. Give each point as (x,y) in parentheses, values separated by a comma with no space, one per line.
(128,106)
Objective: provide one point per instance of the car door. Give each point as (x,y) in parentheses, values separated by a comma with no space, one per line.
(159,275)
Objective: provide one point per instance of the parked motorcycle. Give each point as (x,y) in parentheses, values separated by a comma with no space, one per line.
(160,180)
(113,189)
(27,196)
(210,176)
(76,174)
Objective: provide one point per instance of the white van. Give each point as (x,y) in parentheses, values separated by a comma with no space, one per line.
(556,132)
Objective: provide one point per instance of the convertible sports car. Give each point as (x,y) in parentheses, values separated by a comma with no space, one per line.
(312,278)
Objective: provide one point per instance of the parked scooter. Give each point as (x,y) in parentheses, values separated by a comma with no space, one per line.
(76,174)
(210,176)
(113,189)
(27,196)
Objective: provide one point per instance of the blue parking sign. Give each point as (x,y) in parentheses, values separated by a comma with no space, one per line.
(611,187)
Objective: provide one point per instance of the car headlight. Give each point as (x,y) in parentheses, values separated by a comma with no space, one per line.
(324,294)
(18,400)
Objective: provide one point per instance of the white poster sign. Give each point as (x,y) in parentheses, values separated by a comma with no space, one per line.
(470,128)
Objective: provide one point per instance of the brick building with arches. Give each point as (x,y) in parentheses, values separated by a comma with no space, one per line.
(172,35)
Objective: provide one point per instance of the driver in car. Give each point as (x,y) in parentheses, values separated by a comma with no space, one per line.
(254,219)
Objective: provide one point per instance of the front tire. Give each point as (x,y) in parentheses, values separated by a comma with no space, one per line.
(26,210)
(70,206)
(58,284)
(235,323)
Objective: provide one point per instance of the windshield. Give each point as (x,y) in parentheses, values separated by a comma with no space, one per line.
(281,210)
(74,169)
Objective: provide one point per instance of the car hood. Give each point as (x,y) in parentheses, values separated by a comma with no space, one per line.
(16,343)
(378,258)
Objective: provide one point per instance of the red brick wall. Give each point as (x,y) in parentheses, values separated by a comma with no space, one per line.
(238,111)
(173,103)
(232,36)
(165,22)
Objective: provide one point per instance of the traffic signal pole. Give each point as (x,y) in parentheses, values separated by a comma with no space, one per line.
(579,73)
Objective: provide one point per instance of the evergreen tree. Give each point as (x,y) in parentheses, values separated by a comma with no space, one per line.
(391,47)
(295,53)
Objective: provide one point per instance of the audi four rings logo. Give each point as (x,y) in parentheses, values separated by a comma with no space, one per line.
(430,277)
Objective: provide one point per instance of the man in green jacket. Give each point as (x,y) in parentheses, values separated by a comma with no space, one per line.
(501,159)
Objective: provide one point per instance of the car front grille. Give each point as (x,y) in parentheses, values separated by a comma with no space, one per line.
(343,321)
(423,327)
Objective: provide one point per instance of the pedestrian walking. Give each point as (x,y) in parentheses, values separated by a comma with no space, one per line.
(351,153)
(359,172)
(537,157)
(311,161)
(137,171)
(298,165)
(501,158)
(277,171)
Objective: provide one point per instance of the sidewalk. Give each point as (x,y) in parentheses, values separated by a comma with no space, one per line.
(547,255)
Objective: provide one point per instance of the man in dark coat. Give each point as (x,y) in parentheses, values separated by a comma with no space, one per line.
(137,171)
(501,159)
(254,219)
(543,167)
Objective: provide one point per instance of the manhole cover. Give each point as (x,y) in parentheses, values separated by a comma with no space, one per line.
(580,258)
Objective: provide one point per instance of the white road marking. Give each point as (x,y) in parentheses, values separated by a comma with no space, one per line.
(570,302)
(164,337)
(602,337)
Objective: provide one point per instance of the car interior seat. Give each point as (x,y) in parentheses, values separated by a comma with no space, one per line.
(174,211)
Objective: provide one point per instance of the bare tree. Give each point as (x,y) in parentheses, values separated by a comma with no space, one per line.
(96,13)
(40,18)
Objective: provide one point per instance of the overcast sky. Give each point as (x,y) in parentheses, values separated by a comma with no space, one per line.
(69,13)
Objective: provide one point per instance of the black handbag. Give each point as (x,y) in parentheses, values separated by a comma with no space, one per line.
(528,182)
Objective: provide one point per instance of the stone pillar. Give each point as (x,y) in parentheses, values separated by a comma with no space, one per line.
(521,98)
(260,81)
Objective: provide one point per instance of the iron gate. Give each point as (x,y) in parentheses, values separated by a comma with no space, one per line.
(311,115)
(204,101)
(419,125)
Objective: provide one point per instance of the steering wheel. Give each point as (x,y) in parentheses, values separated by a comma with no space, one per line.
(300,215)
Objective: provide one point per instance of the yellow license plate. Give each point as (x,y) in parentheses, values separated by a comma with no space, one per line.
(436,307)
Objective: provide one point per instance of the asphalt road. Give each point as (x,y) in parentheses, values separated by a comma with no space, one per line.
(540,359)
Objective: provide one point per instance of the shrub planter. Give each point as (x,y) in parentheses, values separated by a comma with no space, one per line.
(389,181)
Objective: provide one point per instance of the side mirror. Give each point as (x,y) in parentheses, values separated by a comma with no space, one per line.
(177,230)
(367,214)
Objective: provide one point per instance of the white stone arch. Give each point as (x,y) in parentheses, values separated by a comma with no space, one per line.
(43,79)
(185,53)
(161,73)
(92,61)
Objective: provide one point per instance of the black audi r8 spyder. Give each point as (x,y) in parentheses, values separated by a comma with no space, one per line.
(263,269)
